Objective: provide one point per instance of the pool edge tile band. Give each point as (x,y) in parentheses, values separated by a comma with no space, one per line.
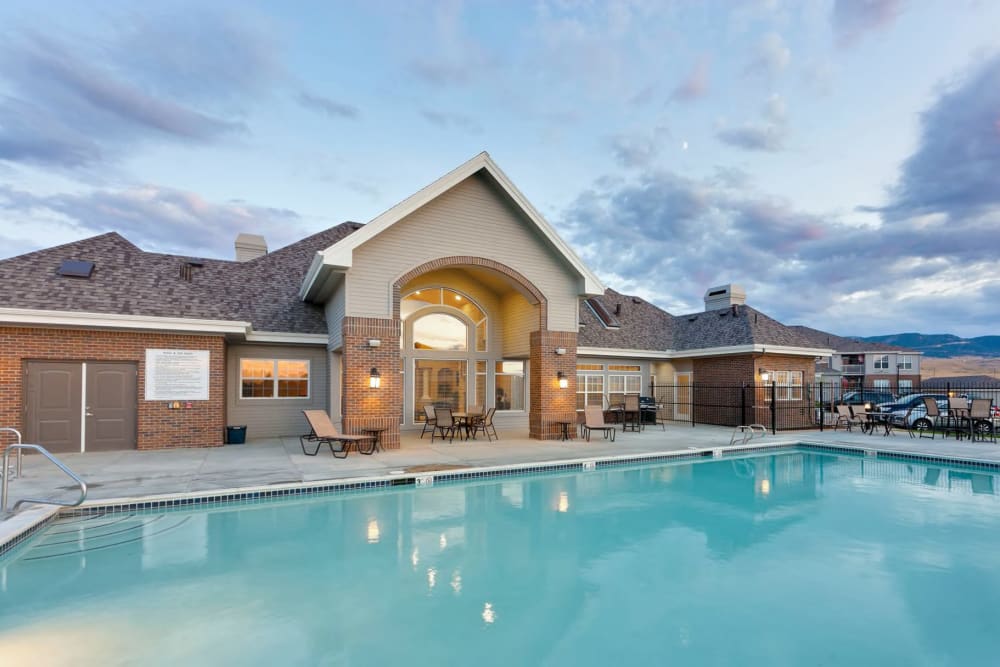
(256,495)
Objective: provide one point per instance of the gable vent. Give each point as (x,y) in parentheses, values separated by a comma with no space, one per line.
(603,314)
(74,268)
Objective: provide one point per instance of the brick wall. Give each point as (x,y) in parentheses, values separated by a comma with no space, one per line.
(158,427)
(717,398)
(551,404)
(362,405)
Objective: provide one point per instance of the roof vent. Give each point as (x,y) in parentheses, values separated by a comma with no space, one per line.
(618,309)
(250,246)
(74,268)
(725,296)
(187,270)
(606,318)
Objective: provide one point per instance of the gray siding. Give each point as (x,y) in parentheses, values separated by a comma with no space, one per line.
(268,418)
(472,218)
(334,309)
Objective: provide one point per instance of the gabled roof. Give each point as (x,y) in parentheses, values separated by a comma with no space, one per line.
(641,325)
(130,282)
(340,256)
(961,382)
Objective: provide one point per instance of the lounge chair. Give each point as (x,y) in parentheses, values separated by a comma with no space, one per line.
(323,432)
(445,423)
(429,420)
(484,423)
(595,422)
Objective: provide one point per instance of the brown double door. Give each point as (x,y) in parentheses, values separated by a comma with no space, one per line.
(81,406)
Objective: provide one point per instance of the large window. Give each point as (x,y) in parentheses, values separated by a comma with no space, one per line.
(439,331)
(788,385)
(589,390)
(439,383)
(906,363)
(905,387)
(881,385)
(509,380)
(439,334)
(619,385)
(274,378)
(882,361)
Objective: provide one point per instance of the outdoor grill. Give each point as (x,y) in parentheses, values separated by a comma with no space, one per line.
(647,408)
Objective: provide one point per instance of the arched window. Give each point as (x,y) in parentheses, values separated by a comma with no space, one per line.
(440,331)
(449,298)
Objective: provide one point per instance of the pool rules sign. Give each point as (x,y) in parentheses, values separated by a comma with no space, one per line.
(177,375)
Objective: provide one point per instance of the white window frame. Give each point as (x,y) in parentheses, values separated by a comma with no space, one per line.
(906,363)
(524,385)
(627,386)
(785,389)
(908,384)
(582,388)
(276,379)
(881,362)
(880,385)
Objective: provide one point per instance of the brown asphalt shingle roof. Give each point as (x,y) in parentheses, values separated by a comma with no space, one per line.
(647,327)
(127,280)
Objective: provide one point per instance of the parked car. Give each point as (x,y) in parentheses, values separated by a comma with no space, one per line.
(866,397)
(909,411)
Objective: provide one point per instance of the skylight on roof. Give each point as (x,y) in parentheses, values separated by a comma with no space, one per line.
(74,268)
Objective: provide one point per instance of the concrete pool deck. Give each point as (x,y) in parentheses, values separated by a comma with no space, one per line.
(262,463)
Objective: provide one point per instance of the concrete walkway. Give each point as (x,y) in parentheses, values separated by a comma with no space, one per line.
(131,474)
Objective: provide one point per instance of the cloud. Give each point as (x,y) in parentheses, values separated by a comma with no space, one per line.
(955,170)
(851,19)
(635,150)
(448,120)
(771,57)
(767,134)
(76,102)
(157,218)
(668,237)
(326,106)
(695,84)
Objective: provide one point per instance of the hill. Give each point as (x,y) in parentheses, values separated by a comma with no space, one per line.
(942,346)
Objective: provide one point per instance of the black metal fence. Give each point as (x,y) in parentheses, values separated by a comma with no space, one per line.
(784,408)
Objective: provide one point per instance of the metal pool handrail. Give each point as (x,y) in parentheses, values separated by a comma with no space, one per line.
(5,483)
(20,454)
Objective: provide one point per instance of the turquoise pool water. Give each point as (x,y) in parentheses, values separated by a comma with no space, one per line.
(788,559)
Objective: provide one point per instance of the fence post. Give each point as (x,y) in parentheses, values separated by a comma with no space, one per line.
(822,408)
(774,407)
(743,405)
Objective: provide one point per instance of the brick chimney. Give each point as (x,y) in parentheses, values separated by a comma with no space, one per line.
(250,246)
(724,296)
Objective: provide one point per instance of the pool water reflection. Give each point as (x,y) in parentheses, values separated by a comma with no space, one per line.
(788,559)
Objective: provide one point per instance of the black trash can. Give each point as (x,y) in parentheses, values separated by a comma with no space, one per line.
(236,435)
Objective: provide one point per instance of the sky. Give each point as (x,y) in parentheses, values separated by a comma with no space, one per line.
(839,159)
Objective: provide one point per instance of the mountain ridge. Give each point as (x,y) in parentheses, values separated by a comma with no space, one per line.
(943,346)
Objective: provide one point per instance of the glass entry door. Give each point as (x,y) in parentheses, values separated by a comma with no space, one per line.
(440,383)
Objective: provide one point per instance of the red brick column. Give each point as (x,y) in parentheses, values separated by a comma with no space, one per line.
(363,405)
(549,403)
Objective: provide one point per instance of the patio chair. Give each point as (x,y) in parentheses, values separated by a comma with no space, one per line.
(428,420)
(846,417)
(980,413)
(933,414)
(594,421)
(444,423)
(958,413)
(632,416)
(484,423)
(323,432)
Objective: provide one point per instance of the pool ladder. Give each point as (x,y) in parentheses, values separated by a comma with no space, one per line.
(748,433)
(6,476)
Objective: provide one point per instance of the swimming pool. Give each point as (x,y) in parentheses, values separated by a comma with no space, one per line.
(795,558)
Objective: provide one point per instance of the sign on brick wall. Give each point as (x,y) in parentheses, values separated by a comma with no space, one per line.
(177,375)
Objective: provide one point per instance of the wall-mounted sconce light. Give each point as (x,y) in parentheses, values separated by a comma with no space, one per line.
(374,342)
(560,351)
(374,380)
(563,380)
(764,375)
